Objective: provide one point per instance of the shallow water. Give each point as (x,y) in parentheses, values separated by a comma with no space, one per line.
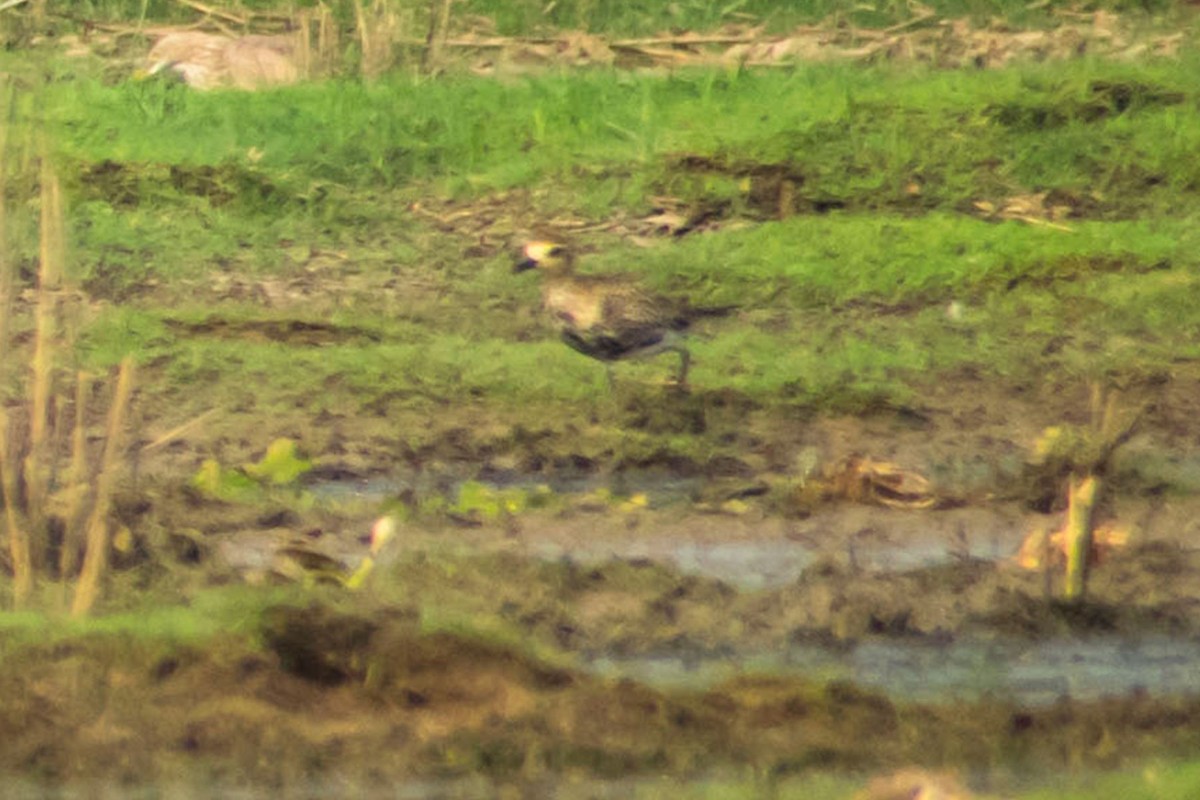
(907,541)
(1029,673)
(765,563)
(1022,671)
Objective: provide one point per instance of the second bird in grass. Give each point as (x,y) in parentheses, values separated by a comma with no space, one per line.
(610,317)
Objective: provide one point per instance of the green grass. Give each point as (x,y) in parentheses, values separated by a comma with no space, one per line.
(858,137)
(1152,782)
(1116,289)
(1156,782)
(233,610)
(191,212)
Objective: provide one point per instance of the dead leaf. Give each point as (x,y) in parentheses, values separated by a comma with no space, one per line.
(1032,209)
(1042,548)
(865,480)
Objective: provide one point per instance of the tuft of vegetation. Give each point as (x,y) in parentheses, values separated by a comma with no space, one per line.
(56,511)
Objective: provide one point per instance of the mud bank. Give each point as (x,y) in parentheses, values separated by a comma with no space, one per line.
(319,693)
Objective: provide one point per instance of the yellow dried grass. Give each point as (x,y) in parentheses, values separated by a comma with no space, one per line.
(95,560)
(76,479)
(36,470)
(380,27)
(18,535)
(28,462)
(435,43)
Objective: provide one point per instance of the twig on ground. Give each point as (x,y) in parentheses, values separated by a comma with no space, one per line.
(213,12)
(179,430)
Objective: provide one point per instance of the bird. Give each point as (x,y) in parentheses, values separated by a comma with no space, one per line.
(297,560)
(611,317)
(915,784)
(208,61)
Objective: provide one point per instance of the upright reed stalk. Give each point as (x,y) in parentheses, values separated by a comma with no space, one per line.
(77,481)
(16,526)
(365,41)
(95,559)
(327,37)
(6,270)
(435,42)
(1082,493)
(46,325)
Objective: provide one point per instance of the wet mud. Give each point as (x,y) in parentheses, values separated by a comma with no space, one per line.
(642,641)
(662,617)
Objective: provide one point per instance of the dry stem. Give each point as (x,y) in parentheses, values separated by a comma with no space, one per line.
(95,559)
(435,42)
(77,476)
(18,531)
(37,463)
(1081,502)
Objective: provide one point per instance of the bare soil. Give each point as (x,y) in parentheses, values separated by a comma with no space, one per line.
(372,697)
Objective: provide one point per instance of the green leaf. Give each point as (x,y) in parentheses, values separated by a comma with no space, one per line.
(218,483)
(281,465)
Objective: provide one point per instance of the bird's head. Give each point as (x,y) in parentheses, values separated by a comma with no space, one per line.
(193,57)
(164,67)
(547,256)
(382,532)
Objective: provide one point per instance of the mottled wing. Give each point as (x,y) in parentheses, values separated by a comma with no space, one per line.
(631,307)
(255,61)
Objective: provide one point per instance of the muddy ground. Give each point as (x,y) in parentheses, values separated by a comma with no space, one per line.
(333,697)
(362,690)
(736,553)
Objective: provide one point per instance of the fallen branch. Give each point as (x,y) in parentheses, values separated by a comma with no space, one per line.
(649,52)
(673,41)
(924,16)
(497,42)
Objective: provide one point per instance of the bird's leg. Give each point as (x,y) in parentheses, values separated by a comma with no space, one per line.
(685,360)
(612,382)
